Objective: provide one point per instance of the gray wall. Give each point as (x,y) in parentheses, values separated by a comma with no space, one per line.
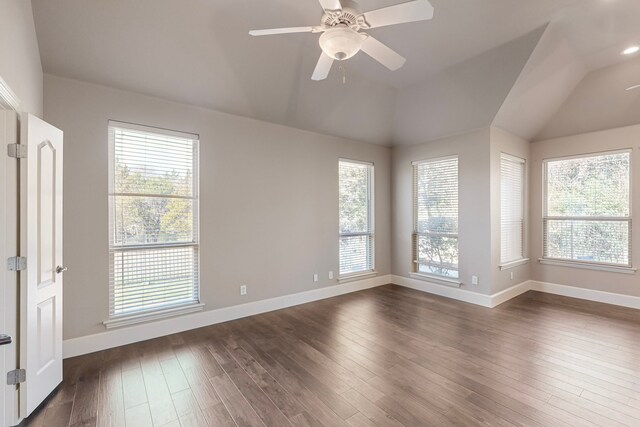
(269,199)
(620,138)
(472,150)
(505,142)
(19,56)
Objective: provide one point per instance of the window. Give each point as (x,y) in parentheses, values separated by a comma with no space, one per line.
(153,220)
(512,171)
(435,201)
(587,214)
(356,217)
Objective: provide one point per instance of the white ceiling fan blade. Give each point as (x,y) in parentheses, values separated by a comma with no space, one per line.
(417,10)
(322,67)
(382,53)
(281,31)
(331,4)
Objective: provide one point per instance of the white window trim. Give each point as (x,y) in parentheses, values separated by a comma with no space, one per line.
(614,268)
(434,278)
(353,277)
(414,235)
(513,264)
(154,129)
(358,275)
(116,321)
(132,319)
(588,265)
(434,159)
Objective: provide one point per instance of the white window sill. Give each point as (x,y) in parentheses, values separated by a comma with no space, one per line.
(514,264)
(357,276)
(588,266)
(436,279)
(126,320)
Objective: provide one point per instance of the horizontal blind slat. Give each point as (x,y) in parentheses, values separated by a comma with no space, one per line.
(512,170)
(153,205)
(435,204)
(356,243)
(587,209)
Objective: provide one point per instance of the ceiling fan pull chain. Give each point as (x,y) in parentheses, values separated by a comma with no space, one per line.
(344,74)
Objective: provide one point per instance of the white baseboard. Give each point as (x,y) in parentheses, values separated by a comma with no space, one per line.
(586,294)
(512,292)
(443,290)
(144,331)
(509,293)
(128,335)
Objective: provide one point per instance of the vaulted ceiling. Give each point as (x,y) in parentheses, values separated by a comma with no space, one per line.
(492,52)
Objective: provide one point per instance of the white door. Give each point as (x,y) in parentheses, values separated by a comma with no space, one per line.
(41,244)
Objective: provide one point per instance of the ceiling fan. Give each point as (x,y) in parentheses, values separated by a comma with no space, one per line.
(341,38)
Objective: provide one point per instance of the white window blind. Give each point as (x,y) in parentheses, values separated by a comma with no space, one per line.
(512,170)
(587,214)
(153,219)
(356,246)
(435,201)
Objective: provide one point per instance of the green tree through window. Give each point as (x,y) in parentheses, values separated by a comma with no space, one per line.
(587,209)
(356,217)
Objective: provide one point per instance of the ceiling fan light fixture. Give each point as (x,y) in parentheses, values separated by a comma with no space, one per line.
(340,42)
(631,50)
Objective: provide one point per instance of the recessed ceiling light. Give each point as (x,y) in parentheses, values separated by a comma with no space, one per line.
(633,87)
(630,50)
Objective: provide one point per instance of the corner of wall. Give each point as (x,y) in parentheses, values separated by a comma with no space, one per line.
(20,64)
(546,81)
(503,141)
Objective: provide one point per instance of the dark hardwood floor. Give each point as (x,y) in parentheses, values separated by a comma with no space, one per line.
(384,356)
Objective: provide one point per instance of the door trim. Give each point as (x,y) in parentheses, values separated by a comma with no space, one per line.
(8,99)
(9,102)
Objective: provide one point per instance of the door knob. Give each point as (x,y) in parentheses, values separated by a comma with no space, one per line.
(60,269)
(5,339)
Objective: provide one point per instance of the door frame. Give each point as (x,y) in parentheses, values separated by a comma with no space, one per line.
(9,205)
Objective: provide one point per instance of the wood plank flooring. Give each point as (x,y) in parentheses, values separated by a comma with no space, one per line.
(384,356)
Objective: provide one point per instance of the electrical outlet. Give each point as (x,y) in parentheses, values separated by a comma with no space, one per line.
(474,280)
(243,290)
(315,277)
(331,275)
(512,275)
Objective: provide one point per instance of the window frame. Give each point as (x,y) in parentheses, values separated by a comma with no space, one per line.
(523,259)
(370,221)
(168,310)
(593,265)
(415,271)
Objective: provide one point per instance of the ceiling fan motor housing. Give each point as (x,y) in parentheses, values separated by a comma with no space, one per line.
(349,15)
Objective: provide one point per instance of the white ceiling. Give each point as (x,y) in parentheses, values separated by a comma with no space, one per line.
(199,52)
(599,102)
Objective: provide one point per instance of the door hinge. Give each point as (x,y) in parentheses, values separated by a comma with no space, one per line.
(17,151)
(16,263)
(16,376)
